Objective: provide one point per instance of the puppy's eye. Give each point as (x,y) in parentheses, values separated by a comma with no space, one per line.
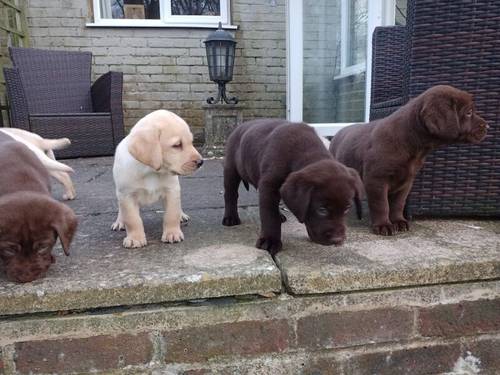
(322,211)
(469,113)
(177,145)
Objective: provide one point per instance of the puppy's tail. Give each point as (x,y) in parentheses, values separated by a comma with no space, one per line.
(50,164)
(54,144)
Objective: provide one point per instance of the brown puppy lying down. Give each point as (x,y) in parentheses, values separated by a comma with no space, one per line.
(388,153)
(30,220)
(289,161)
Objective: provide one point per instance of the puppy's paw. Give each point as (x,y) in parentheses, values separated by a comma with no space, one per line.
(69,195)
(172,235)
(118,225)
(230,221)
(386,229)
(273,245)
(402,225)
(130,242)
(184,218)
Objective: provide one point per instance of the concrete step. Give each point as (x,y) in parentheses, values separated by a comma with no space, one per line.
(216,261)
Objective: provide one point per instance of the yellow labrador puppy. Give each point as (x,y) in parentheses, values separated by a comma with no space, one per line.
(147,164)
(42,148)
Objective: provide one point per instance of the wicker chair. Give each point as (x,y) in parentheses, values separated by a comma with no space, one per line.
(455,43)
(50,93)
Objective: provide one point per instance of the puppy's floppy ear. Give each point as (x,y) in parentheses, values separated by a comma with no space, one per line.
(65,224)
(144,146)
(359,192)
(440,117)
(296,193)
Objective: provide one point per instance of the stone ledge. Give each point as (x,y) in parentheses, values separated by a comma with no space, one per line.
(216,261)
(434,252)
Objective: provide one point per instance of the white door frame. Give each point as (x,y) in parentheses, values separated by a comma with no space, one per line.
(380,13)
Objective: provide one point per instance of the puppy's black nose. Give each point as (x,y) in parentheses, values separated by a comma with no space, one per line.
(199,163)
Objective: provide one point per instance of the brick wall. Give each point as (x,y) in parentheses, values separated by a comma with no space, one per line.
(166,67)
(436,329)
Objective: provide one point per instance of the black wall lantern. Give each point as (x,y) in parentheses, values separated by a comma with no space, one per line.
(220,47)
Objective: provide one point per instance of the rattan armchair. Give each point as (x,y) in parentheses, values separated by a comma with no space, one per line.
(50,93)
(455,43)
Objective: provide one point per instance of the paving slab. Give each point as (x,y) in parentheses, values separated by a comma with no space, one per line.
(213,261)
(433,252)
(216,261)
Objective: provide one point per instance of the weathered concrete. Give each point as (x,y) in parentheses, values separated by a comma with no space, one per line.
(434,251)
(216,261)
(213,261)
(155,312)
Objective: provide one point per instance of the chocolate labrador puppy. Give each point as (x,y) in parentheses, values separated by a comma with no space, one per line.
(289,161)
(388,153)
(30,220)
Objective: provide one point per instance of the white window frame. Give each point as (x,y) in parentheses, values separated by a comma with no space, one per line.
(380,13)
(166,18)
(345,44)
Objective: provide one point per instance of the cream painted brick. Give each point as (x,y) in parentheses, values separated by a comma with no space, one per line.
(189,61)
(45,4)
(202,69)
(175,69)
(148,69)
(175,43)
(125,69)
(201,52)
(204,87)
(190,78)
(50,12)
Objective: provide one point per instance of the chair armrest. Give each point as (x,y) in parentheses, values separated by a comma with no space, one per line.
(389,64)
(104,91)
(106,94)
(18,111)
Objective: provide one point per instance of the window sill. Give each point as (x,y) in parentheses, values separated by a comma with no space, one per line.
(351,71)
(162,25)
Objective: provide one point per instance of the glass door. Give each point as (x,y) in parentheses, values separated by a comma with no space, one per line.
(329,60)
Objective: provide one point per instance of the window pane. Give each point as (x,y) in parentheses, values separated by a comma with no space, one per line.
(195,7)
(358,16)
(401,12)
(330,94)
(130,9)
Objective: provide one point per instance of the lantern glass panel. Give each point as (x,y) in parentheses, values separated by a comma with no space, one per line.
(220,56)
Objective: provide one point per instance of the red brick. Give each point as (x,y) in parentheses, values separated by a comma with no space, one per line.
(83,354)
(413,361)
(201,343)
(321,366)
(466,318)
(343,329)
(488,351)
